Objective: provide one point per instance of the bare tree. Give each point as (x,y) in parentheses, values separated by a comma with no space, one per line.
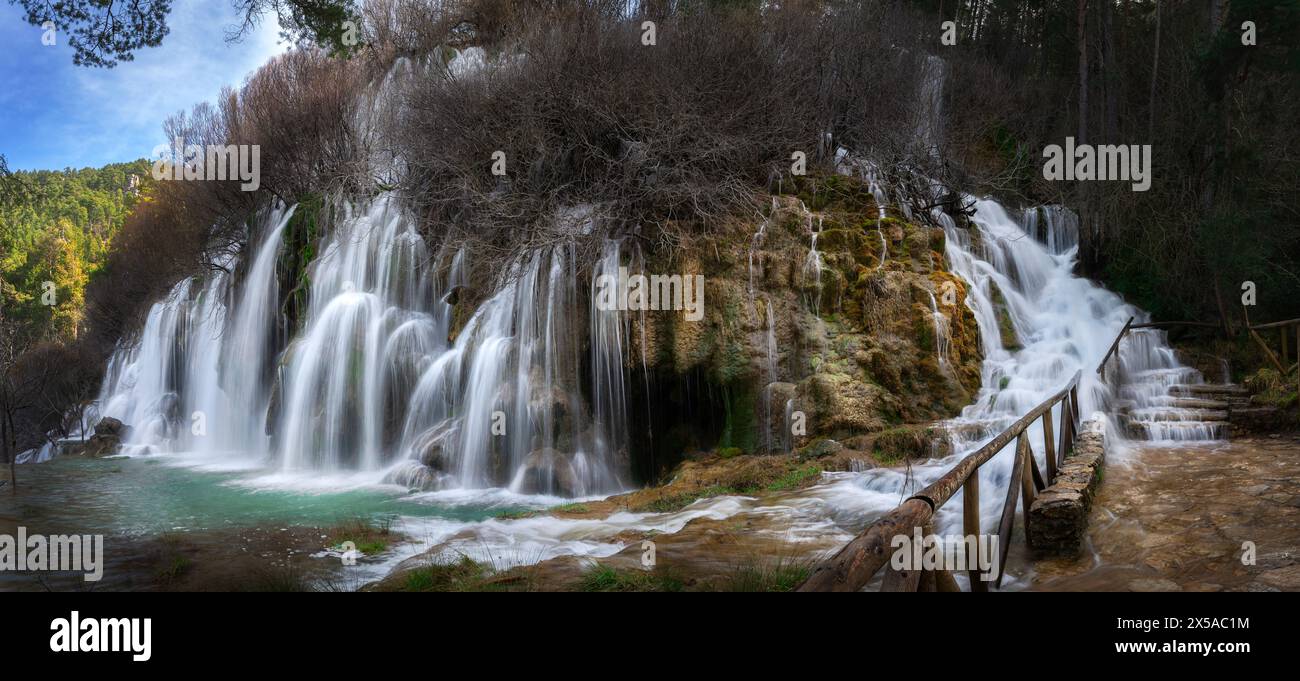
(21,385)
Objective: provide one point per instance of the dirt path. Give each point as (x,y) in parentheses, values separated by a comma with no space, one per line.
(1178,519)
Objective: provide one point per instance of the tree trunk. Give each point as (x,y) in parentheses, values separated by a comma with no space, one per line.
(1112,72)
(1082,137)
(1223,310)
(1155,71)
(1042,46)
(8,446)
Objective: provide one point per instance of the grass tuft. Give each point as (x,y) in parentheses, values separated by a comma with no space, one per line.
(604,578)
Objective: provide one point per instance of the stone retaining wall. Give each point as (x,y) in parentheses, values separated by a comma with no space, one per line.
(1058,519)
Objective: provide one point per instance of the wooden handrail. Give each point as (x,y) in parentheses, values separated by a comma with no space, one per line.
(1158,325)
(854,565)
(1274,325)
(1114,348)
(1213,325)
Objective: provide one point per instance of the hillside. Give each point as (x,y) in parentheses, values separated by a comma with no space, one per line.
(55,236)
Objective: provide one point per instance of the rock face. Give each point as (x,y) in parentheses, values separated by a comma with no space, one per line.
(1058,519)
(109,433)
(820,321)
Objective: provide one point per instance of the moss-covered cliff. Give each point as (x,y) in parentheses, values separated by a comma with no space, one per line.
(848,352)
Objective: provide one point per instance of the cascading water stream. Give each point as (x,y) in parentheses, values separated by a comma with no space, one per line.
(940,334)
(247,355)
(367,288)
(1063,324)
(813,265)
(871,174)
(771,353)
(185,383)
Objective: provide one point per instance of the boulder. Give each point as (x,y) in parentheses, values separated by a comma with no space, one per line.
(436,447)
(100,445)
(110,426)
(414,475)
(107,439)
(820,449)
(547,471)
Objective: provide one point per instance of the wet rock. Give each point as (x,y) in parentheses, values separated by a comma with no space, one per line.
(436,447)
(100,445)
(110,426)
(918,441)
(842,404)
(1286,578)
(547,471)
(109,433)
(561,406)
(820,449)
(1270,561)
(414,475)
(775,397)
(1156,584)
(1258,419)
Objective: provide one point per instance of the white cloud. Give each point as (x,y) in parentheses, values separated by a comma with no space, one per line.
(117,114)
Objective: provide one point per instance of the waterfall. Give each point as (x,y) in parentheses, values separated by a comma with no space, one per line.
(871,174)
(367,287)
(1055,226)
(813,265)
(756,243)
(940,334)
(1148,402)
(1063,323)
(392,374)
(371,381)
(608,332)
(527,394)
(186,383)
(247,355)
(145,384)
(770,343)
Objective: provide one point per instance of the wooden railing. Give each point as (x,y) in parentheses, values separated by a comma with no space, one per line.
(1114,347)
(854,565)
(1284,362)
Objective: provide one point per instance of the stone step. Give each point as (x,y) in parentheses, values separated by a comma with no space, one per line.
(1198,403)
(1179,430)
(1154,414)
(1214,389)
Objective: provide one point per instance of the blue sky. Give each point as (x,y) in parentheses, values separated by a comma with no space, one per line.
(55,115)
